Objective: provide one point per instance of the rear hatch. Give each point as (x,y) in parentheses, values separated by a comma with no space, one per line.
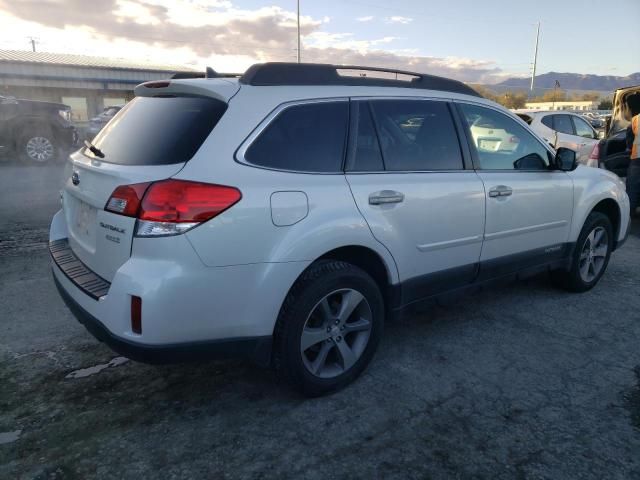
(150,139)
(613,153)
(626,104)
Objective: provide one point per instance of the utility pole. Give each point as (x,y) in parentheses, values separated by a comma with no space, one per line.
(33,43)
(555,92)
(535,59)
(299,56)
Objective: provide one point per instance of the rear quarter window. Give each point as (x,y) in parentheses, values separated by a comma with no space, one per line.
(158,130)
(308,137)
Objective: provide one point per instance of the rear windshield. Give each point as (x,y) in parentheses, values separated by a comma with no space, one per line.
(158,130)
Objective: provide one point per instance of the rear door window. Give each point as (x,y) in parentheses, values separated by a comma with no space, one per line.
(158,130)
(583,129)
(416,135)
(305,138)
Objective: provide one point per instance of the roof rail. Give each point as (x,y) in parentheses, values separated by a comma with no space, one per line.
(284,73)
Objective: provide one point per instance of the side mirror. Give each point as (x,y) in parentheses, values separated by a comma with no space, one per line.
(566,159)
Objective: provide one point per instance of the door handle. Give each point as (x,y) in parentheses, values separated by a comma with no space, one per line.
(500,191)
(385,196)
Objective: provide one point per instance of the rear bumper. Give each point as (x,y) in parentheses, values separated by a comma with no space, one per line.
(257,349)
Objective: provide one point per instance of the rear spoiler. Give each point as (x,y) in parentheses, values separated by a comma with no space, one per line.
(219,88)
(208,73)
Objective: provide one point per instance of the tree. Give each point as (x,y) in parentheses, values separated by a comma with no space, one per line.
(485,92)
(513,99)
(508,99)
(605,104)
(588,96)
(551,95)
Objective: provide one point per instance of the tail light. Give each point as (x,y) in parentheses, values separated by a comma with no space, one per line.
(171,207)
(594,156)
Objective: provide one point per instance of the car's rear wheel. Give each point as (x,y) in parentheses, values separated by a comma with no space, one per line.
(38,146)
(591,255)
(328,328)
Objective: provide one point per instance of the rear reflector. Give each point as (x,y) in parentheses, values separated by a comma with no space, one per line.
(136,314)
(171,207)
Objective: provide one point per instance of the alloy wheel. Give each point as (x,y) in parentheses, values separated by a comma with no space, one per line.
(593,254)
(39,149)
(336,333)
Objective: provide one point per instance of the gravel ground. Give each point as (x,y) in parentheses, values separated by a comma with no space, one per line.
(523,381)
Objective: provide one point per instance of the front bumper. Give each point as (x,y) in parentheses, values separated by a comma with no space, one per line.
(257,349)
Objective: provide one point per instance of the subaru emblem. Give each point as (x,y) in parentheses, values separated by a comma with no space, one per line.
(75,178)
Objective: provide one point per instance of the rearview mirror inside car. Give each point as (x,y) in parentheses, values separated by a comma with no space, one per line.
(566,159)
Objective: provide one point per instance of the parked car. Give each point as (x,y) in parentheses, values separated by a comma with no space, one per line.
(568,130)
(38,132)
(612,150)
(290,223)
(596,122)
(99,121)
(491,138)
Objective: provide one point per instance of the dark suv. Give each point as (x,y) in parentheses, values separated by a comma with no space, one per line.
(39,132)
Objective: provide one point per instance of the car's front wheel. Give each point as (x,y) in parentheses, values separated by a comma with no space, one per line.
(590,256)
(38,146)
(329,328)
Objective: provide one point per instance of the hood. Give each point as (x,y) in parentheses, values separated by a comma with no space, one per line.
(43,105)
(34,105)
(626,104)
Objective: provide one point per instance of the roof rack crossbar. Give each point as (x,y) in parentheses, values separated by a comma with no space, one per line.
(283,73)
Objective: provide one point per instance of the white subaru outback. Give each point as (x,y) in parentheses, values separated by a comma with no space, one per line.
(284,214)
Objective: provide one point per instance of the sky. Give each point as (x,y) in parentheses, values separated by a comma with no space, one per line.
(474,41)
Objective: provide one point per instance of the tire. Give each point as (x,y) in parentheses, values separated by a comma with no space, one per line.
(338,347)
(587,255)
(38,145)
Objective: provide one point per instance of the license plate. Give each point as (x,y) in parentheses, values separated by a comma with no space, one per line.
(491,145)
(85,219)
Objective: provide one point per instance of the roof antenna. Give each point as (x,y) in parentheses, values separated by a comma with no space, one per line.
(211,73)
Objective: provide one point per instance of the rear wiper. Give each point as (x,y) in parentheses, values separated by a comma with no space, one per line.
(95,150)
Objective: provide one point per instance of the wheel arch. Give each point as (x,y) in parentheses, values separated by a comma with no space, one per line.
(610,208)
(595,190)
(372,263)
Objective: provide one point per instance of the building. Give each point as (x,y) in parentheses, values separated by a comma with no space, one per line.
(577,105)
(87,84)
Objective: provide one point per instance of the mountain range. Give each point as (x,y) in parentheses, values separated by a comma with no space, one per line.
(570,81)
